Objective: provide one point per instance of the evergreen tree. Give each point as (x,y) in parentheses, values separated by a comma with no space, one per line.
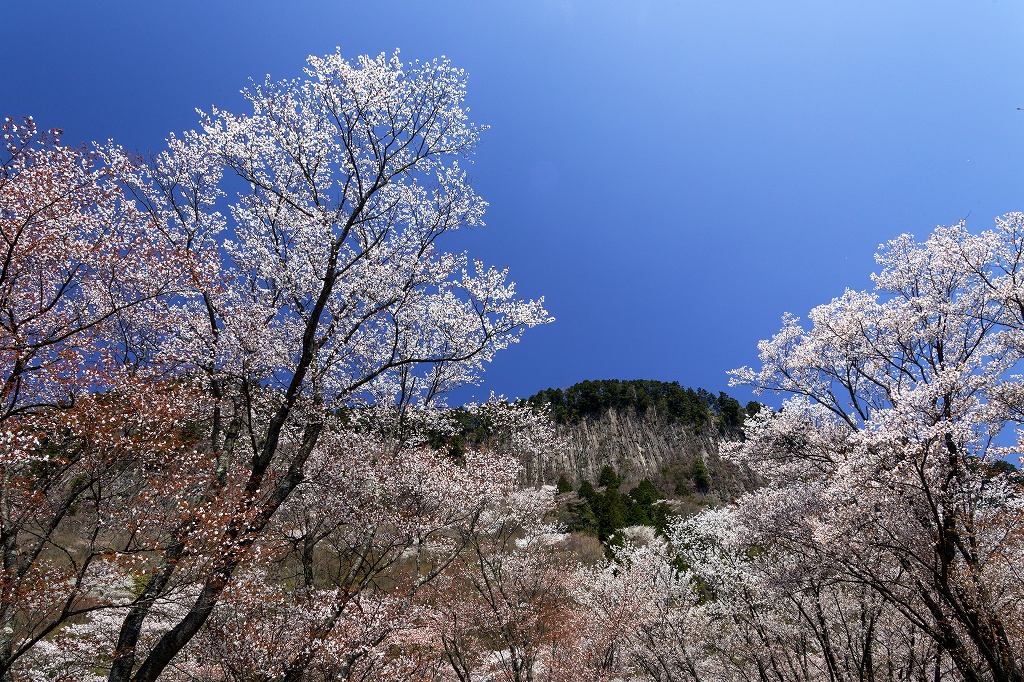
(701,478)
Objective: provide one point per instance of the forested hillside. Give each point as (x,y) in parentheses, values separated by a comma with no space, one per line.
(647,429)
(622,453)
(641,429)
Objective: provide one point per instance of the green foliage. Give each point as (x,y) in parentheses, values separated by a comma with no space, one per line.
(603,511)
(992,469)
(563,485)
(472,429)
(1001,466)
(606,506)
(730,414)
(652,399)
(579,517)
(587,491)
(610,510)
(646,506)
(655,400)
(608,478)
(645,493)
(701,478)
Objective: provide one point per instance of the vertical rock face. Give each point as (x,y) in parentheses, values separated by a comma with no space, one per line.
(679,459)
(644,428)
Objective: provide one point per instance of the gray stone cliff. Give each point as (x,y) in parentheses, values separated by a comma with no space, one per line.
(671,455)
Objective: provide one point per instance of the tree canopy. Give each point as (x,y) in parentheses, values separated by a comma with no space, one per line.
(655,400)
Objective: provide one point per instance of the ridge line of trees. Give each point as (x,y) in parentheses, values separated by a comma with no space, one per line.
(662,401)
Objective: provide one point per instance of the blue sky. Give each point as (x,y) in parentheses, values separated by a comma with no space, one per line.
(671,175)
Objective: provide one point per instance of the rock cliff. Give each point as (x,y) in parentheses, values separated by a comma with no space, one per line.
(680,459)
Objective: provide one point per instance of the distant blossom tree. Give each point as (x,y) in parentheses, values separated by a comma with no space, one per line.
(507,609)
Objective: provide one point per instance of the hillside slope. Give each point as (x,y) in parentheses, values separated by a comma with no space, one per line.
(645,429)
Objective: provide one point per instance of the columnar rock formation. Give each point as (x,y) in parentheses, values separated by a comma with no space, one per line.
(679,459)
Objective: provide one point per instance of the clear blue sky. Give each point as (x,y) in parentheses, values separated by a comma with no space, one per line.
(671,175)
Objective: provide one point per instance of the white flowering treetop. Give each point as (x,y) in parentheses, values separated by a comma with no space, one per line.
(242,288)
(885,463)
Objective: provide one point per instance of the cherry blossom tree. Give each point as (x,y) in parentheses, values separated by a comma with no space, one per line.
(642,619)
(331,289)
(80,411)
(884,465)
(322,287)
(521,430)
(366,531)
(762,608)
(507,608)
